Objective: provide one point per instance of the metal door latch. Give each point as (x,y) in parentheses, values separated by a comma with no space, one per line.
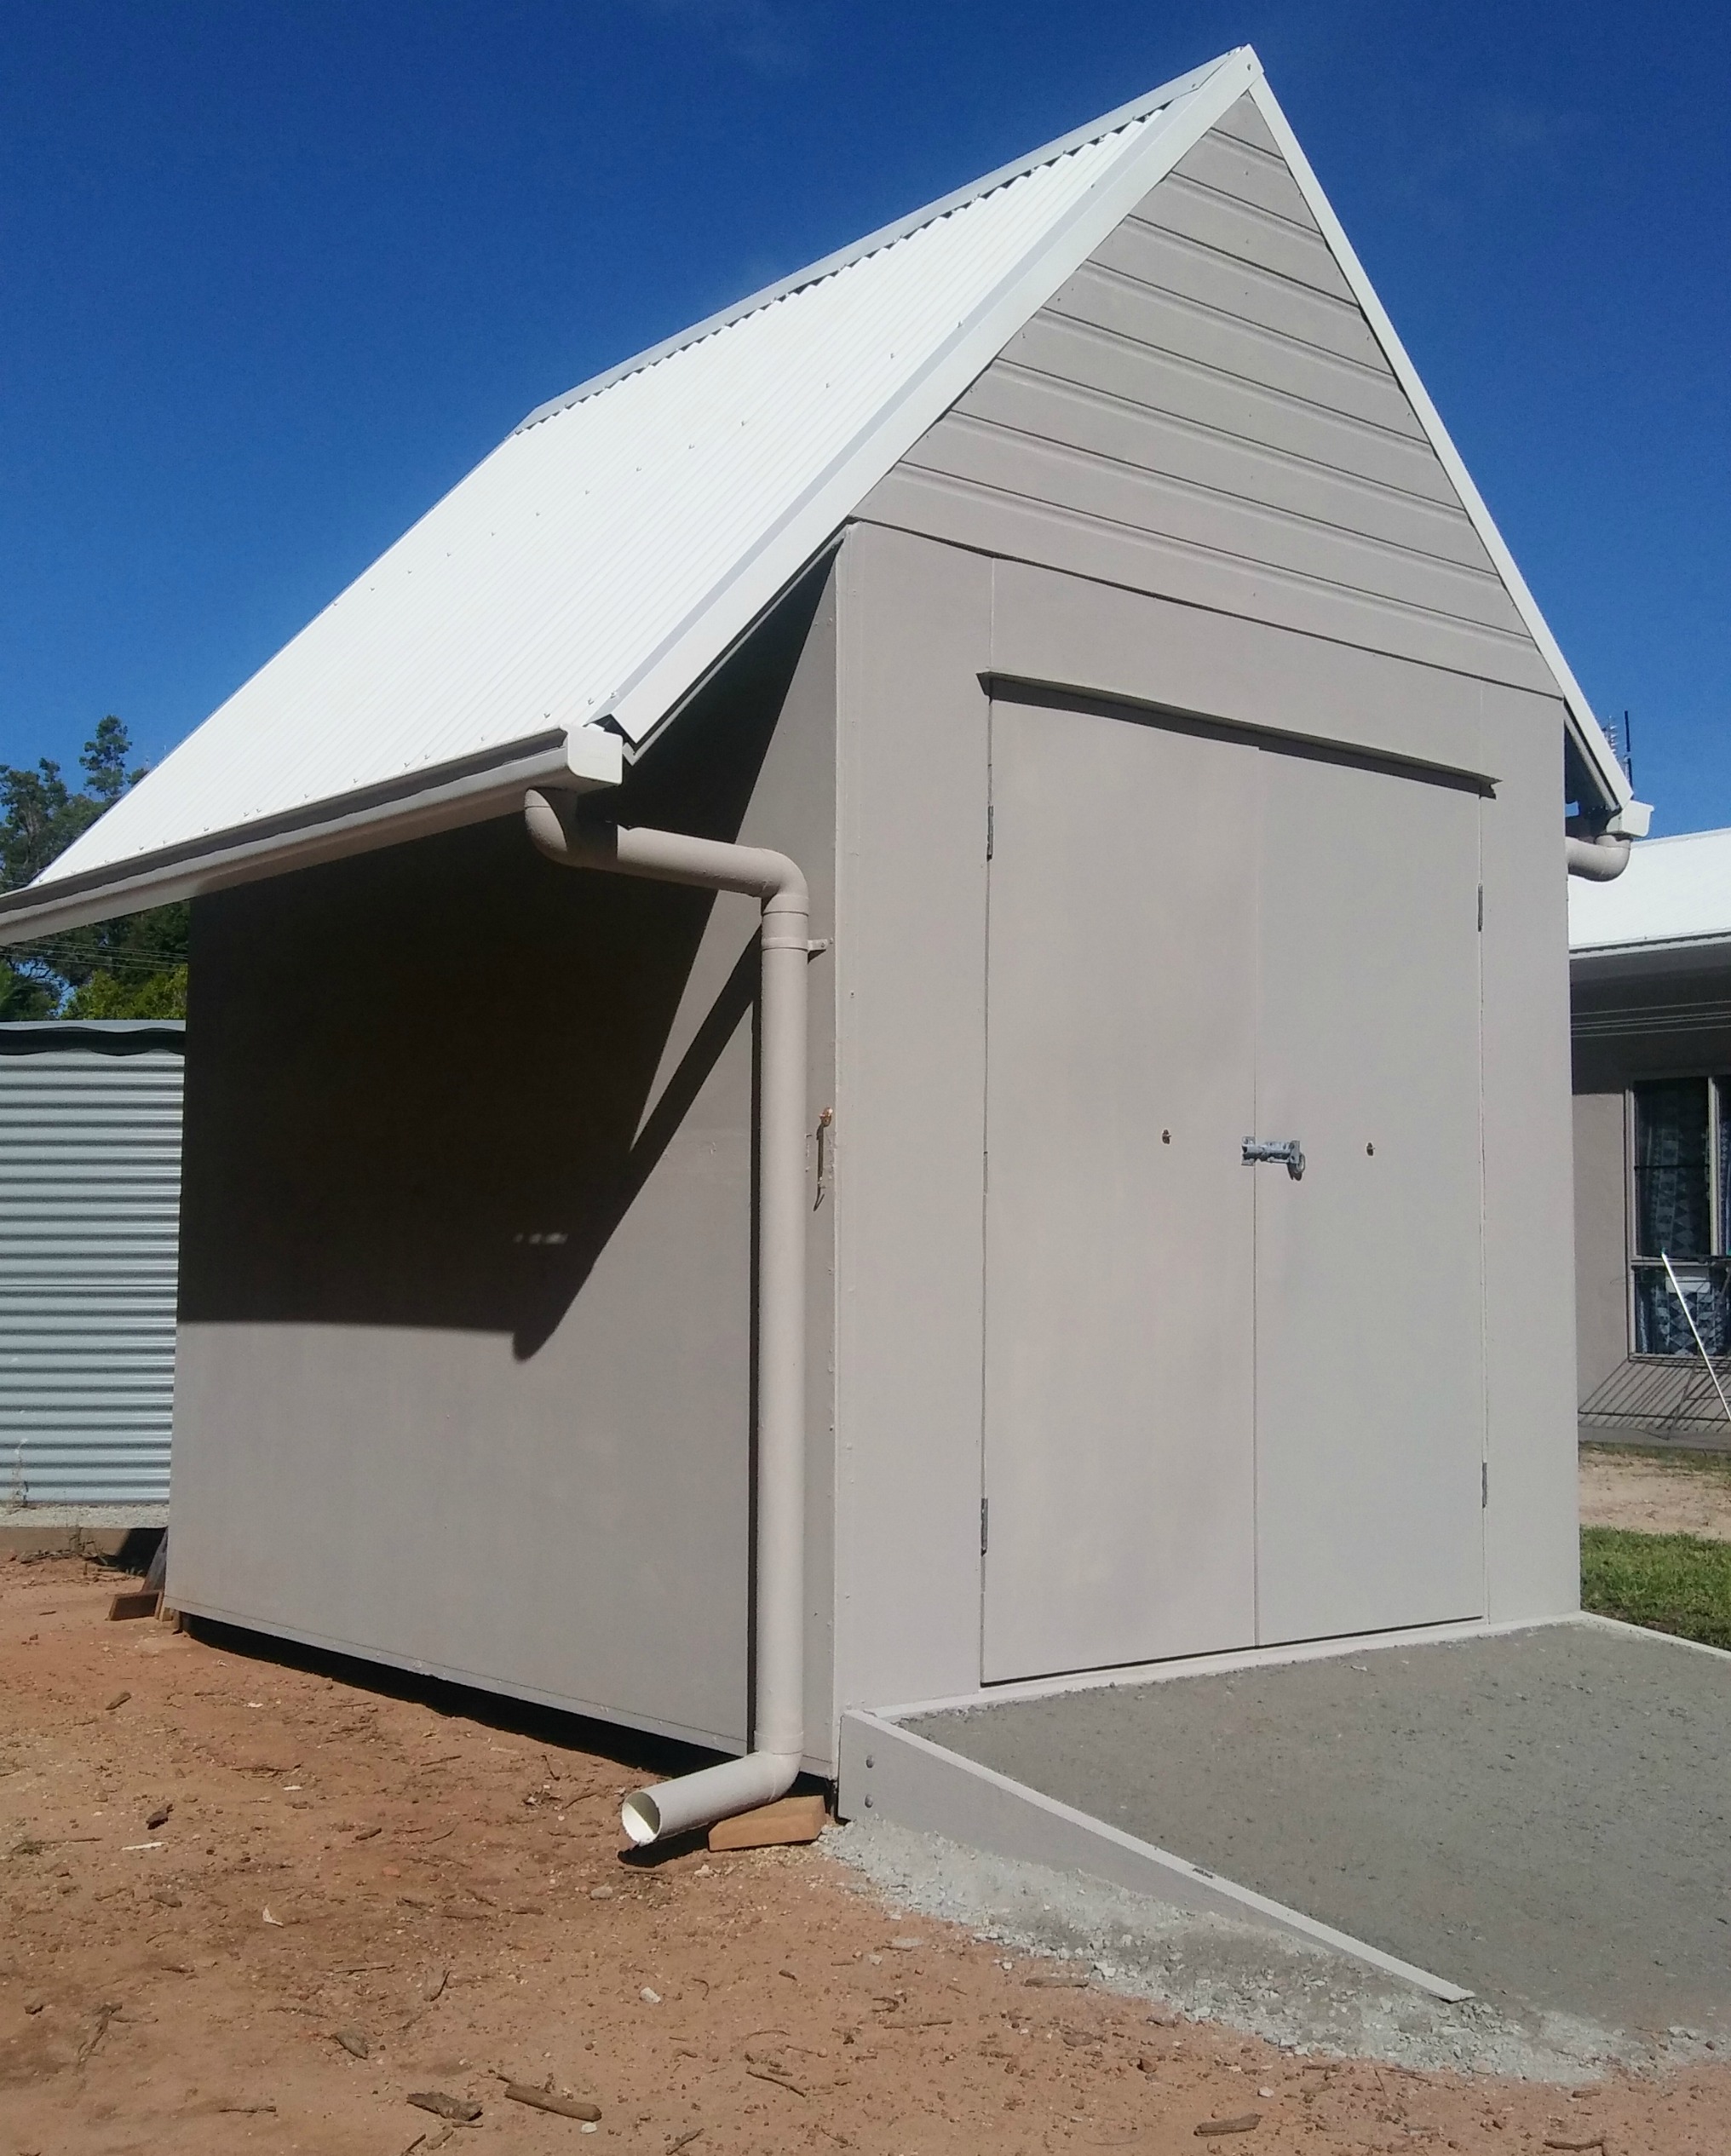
(1286,1149)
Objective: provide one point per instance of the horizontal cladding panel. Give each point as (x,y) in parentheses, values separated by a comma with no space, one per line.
(1236,228)
(969,516)
(1247,176)
(1084,418)
(140,1477)
(103,1309)
(982,454)
(97,1122)
(63,1076)
(1166,263)
(1244,123)
(1109,301)
(1075,631)
(102,1411)
(1116,366)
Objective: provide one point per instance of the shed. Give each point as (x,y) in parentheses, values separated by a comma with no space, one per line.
(90,1191)
(1650,968)
(1150,767)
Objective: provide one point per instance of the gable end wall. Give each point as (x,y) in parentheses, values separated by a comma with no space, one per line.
(1203,412)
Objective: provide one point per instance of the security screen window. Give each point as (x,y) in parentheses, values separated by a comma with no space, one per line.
(1680,1214)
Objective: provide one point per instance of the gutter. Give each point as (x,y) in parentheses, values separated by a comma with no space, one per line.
(437,798)
(777,1735)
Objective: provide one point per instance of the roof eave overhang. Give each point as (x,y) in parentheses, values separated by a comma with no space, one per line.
(441,797)
(1651,955)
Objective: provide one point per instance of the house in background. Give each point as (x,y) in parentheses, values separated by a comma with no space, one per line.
(1650,971)
(90,1193)
(1064,614)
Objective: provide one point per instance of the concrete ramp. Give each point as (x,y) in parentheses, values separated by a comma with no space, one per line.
(1539,1819)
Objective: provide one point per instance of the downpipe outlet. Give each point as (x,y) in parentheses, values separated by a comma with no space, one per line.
(778,1737)
(667,1808)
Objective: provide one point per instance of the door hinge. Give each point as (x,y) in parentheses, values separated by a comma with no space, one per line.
(1481,909)
(985,1509)
(990,823)
(1484,1485)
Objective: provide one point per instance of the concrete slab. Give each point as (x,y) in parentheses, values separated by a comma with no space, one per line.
(76,1530)
(1543,1817)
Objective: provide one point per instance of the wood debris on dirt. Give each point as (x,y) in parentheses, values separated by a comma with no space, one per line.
(462,2111)
(524,2092)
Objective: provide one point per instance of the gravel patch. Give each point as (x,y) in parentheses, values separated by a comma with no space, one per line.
(1304,1997)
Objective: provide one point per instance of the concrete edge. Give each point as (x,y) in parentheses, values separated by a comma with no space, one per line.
(893,1774)
(1201,1666)
(21,1536)
(1648,1632)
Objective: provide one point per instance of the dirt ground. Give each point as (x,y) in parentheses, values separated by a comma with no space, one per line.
(249,1905)
(1689,1495)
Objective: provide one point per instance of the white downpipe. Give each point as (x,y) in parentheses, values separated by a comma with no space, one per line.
(778,1737)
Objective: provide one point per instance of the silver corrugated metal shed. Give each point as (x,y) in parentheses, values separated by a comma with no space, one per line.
(568,594)
(90,1204)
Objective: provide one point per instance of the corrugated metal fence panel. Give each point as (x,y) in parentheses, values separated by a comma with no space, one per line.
(89,1211)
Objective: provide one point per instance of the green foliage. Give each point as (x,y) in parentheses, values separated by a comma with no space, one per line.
(20,997)
(1668,1582)
(159,995)
(134,967)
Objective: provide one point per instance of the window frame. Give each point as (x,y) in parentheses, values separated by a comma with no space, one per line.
(1636,1262)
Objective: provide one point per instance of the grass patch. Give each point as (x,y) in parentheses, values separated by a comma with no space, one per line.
(1683,1459)
(1668,1582)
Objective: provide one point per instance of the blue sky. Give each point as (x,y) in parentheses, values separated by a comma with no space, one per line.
(274,274)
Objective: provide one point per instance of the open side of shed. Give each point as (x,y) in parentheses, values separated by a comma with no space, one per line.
(1075,583)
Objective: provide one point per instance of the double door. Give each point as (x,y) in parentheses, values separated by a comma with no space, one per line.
(1226,1403)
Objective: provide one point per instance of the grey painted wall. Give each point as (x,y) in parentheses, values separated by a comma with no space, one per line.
(1532,1546)
(1203,412)
(464,1376)
(1602,1237)
(1634,1015)
(923,627)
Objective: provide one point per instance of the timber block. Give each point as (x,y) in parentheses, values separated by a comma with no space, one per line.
(139,1601)
(789,1818)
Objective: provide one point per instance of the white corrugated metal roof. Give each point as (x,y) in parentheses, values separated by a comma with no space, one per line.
(614,548)
(1674,891)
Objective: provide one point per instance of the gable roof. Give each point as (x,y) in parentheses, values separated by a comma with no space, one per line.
(560,604)
(1672,892)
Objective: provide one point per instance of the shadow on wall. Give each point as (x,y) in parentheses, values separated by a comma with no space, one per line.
(420,1083)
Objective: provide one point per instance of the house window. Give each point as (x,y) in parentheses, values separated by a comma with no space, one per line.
(1681,1154)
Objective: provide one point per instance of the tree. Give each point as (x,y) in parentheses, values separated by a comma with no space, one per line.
(134,967)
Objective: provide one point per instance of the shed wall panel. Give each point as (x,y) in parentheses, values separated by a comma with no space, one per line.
(90,1201)
(914,636)
(468,1311)
(1203,412)
(1532,1548)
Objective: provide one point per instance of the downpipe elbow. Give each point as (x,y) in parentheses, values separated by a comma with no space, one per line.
(1599,860)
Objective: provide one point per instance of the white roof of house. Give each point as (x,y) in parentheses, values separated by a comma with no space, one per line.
(1673,891)
(596,567)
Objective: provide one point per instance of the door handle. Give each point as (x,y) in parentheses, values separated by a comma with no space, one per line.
(1286,1149)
